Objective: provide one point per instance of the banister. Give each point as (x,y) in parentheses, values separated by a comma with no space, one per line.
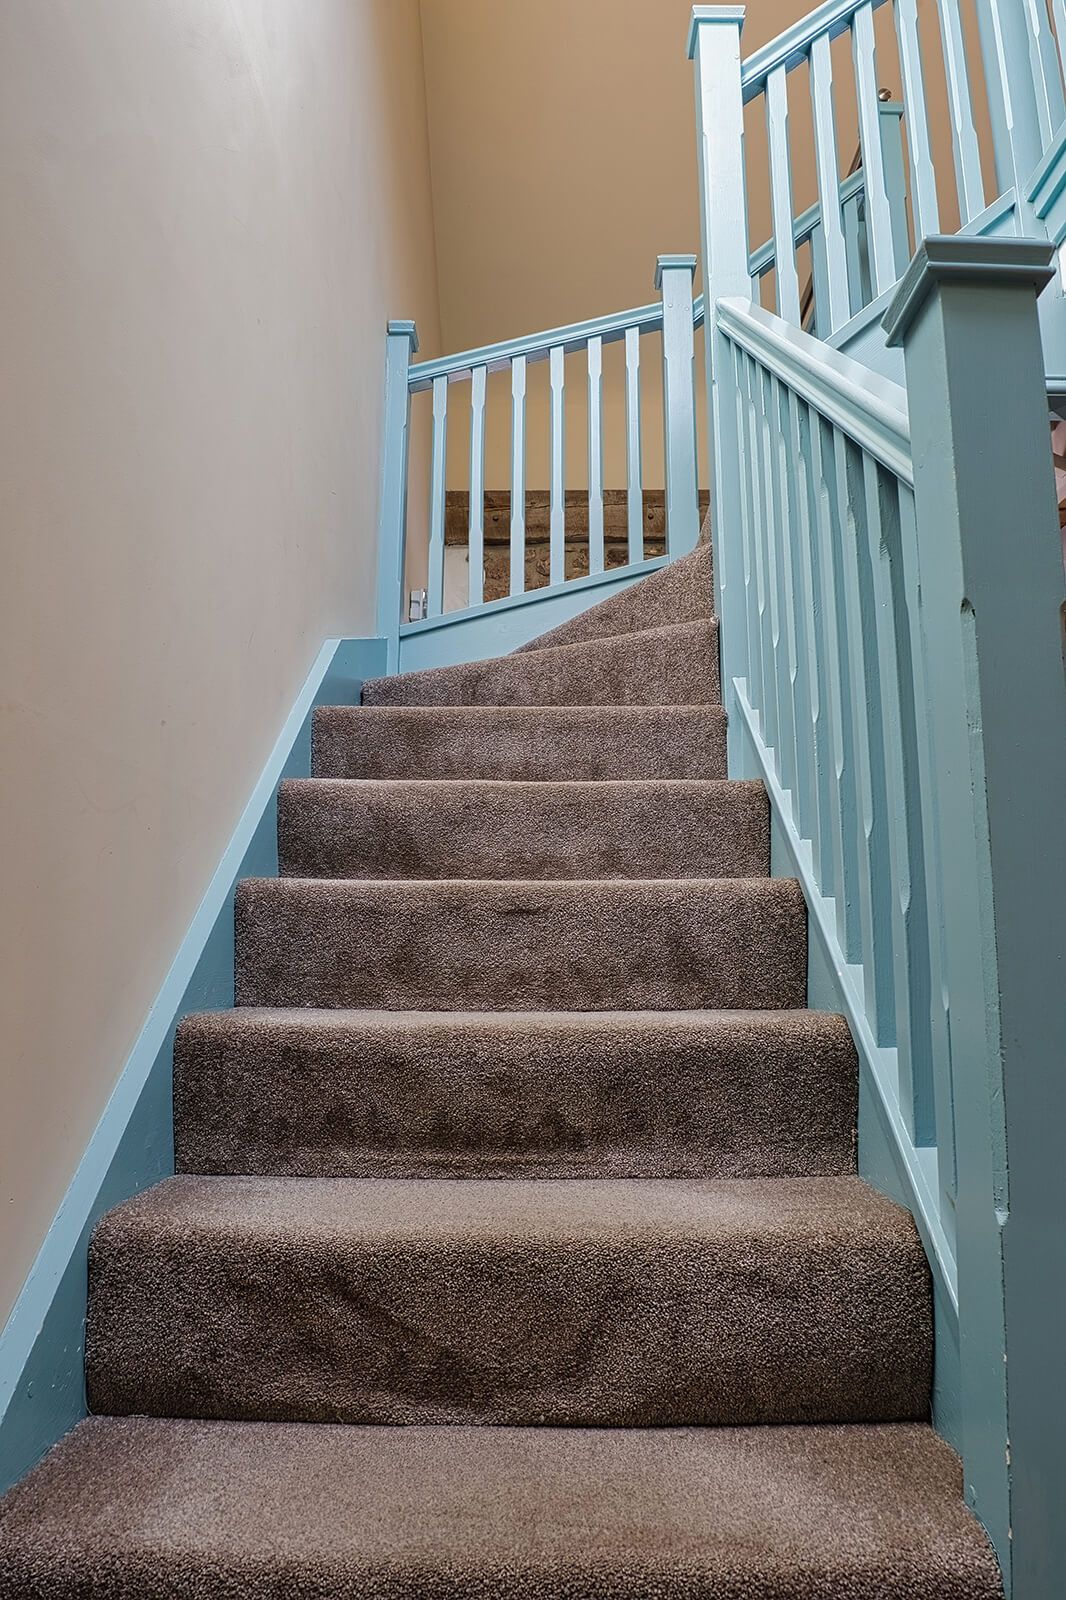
(790,48)
(870,409)
(537,346)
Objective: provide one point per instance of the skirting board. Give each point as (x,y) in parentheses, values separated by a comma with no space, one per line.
(42,1389)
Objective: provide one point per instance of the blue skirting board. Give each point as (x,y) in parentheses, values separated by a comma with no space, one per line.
(42,1387)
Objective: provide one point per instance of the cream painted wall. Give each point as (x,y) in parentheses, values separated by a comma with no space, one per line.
(210,209)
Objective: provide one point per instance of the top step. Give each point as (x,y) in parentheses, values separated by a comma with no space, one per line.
(672,665)
(680,592)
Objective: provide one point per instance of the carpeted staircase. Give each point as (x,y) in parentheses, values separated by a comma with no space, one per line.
(520,1120)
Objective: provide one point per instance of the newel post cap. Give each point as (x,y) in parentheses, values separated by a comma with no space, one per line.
(405,330)
(964,258)
(669,263)
(702,14)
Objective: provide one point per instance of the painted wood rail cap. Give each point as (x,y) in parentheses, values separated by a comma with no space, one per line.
(405,330)
(959,258)
(734,14)
(670,263)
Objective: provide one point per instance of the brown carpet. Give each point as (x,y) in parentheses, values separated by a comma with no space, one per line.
(595,1303)
(565,1094)
(681,592)
(522,743)
(146,1510)
(520,1119)
(418,828)
(672,665)
(506,945)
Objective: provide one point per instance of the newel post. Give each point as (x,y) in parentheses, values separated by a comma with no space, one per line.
(673,277)
(714,47)
(992,598)
(401,344)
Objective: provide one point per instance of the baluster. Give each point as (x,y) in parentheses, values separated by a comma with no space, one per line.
(518,475)
(1047,85)
(673,276)
(878,213)
(890,115)
(557,523)
(750,667)
(838,308)
(763,504)
(401,344)
(779,575)
(788,298)
(1058,12)
(476,547)
(923,173)
(811,608)
(923,833)
(868,741)
(798,597)
(858,288)
(595,365)
(634,464)
(969,182)
(899,712)
(1011,96)
(438,499)
(819,323)
(844,690)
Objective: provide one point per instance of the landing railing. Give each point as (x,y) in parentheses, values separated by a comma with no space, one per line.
(674,317)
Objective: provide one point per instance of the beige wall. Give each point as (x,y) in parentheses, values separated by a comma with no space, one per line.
(209,212)
(564,160)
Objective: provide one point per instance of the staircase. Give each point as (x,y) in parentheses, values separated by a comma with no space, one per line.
(520,1120)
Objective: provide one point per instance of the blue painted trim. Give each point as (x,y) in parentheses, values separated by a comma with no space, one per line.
(532,597)
(791,46)
(669,263)
(711,14)
(761,260)
(960,258)
(537,346)
(917,1164)
(405,330)
(42,1391)
(870,409)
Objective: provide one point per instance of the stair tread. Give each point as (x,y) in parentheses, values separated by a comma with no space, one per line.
(322,1093)
(205,1510)
(592,1302)
(675,663)
(446,828)
(521,944)
(519,742)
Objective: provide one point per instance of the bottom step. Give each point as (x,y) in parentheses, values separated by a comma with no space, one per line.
(154,1510)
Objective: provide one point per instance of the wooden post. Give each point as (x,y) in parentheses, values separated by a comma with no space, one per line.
(673,276)
(714,46)
(992,595)
(401,344)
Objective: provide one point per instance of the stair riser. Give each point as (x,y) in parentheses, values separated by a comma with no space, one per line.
(483,946)
(520,744)
(461,830)
(671,666)
(484,1100)
(622,1332)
